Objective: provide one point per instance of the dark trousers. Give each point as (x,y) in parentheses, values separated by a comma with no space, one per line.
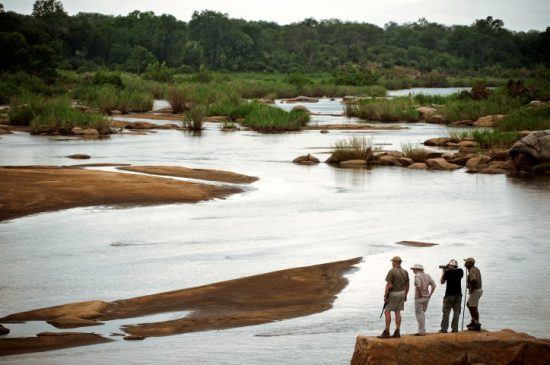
(451,302)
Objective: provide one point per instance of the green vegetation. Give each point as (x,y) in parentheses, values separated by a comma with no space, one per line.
(194,117)
(109,97)
(52,114)
(391,110)
(494,138)
(415,151)
(270,119)
(457,108)
(530,119)
(352,148)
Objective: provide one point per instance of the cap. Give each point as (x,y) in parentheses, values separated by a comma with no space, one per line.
(396,258)
(470,260)
(417,267)
(453,263)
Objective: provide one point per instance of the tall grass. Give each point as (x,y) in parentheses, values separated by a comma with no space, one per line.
(457,109)
(415,152)
(194,118)
(495,138)
(270,119)
(389,110)
(352,148)
(54,114)
(179,98)
(108,97)
(531,119)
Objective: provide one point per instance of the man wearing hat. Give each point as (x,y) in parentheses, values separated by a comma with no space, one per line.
(424,288)
(452,275)
(475,292)
(395,295)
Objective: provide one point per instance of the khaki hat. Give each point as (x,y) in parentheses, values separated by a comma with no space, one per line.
(470,259)
(417,267)
(396,258)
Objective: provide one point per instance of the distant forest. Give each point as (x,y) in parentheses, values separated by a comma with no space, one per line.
(50,38)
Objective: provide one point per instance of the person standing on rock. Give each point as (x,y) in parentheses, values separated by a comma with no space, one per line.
(452,275)
(475,292)
(424,288)
(395,296)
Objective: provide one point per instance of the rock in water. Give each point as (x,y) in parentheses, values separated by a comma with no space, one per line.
(79,156)
(489,120)
(301,108)
(496,348)
(306,160)
(441,164)
(425,113)
(531,151)
(134,338)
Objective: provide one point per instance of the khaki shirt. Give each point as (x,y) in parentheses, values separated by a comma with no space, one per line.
(474,275)
(422,281)
(399,279)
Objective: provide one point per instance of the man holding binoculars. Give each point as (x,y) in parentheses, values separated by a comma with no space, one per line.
(452,275)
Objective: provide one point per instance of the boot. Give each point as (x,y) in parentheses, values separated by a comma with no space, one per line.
(396,334)
(470,325)
(385,334)
(475,327)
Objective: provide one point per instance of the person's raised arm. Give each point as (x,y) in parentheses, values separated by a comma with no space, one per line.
(443,277)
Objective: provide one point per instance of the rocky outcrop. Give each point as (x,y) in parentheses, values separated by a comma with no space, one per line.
(79,156)
(4,330)
(90,132)
(353,163)
(440,164)
(73,322)
(438,141)
(306,160)
(466,348)
(531,151)
(437,119)
(425,113)
(301,108)
(303,99)
(418,166)
(489,120)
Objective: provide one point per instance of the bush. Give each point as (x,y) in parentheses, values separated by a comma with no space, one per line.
(352,148)
(159,72)
(108,97)
(497,103)
(194,118)
(495,138)
(387,110)
(270,119)
(104,77)
(354,75)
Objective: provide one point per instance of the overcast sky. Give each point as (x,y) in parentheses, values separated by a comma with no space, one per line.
(517,15)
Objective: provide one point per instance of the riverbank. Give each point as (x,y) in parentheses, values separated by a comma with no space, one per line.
(35,189)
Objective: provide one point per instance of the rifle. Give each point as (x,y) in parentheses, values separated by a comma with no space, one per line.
(384,306)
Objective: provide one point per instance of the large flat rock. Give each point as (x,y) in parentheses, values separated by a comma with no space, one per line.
(494,348)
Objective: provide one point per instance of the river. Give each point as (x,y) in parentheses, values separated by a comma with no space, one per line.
(293,216)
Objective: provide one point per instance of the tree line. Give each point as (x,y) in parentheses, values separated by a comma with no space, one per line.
(50,39)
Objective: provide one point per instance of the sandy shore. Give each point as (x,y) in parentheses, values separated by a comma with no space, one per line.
(246,301)
(200,174)
(33,189)
(48,341)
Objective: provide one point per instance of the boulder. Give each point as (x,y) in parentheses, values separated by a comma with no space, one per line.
(324,131)
(301,108)
(115,112)
(79,156)
(489,120)
(389,160)
(4,109)
(5,131)
(441,164)
(303,99)
(498,167)
(440,141)
(353,163)
(139,125)
(460,158)
(467,144)
(463,123)
(72,322)
(498,154)
(405,161)
(418,166)
(495,348)
(90,132)
(437,119)
(531,151)
(425,113)
(306,160)
(77,131)
(4,330)
(536,103)
(477,162)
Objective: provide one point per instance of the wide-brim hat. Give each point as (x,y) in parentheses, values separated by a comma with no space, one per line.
(417,267)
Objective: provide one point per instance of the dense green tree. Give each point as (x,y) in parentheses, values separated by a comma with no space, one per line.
(43,8)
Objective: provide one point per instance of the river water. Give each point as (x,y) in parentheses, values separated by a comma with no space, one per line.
(293,216)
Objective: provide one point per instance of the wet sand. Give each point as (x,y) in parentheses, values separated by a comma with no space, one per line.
(246,301)
(48,341)
(200,174)
(33,189)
